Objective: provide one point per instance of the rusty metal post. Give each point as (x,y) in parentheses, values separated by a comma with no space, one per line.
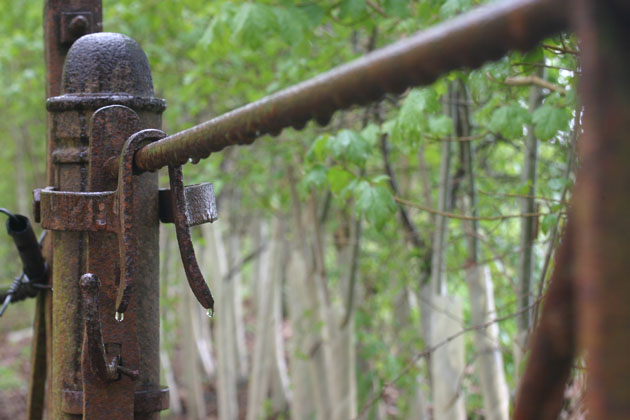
(602,206)
(102,70)
(64,23)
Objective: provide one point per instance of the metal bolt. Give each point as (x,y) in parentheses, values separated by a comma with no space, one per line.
(78,26)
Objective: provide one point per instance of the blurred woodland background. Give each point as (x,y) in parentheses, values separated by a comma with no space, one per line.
(390,265)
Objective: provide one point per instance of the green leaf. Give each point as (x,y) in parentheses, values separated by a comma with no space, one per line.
(317,176)
(253,23)
(549,120)
(441,126)
(548,221)
(509,120)
(375,201)
(338,179)
(371,133)
(314,13)
(350,146)
(452,7)
(352,9)
(319,149)
(533,57)
(421,100)
(399,8)
(411,121)
(291,24)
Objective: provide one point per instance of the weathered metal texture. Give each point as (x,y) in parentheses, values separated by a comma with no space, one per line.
(116,59)
(106,395)
(94,357)
(78,212)
(466,41)
(131,214)
(37,381)
(55,53)
(181,218)
(553,346)
(201,204)
(145,401)
(110,128)
(94,212)
(65,21)
(602,205)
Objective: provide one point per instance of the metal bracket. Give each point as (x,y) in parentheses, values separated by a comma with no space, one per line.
(113,211)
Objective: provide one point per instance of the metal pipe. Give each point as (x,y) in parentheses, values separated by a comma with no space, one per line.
(469,40)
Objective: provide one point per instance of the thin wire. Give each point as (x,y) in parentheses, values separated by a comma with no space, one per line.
(8,213)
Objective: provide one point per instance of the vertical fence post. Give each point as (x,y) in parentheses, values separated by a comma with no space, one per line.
(56,46)
(602,206)
(105,95)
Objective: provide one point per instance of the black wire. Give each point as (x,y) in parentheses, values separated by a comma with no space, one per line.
(17,291)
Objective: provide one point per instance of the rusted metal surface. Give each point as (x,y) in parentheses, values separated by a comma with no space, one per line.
(55,53)
(553,347)
(181,218)
(466,41)
(94,357)
(102,364)
(602,205)
(110,128)
(61,29)
(82,212)
(201,204)
(144,402)
(130,214)
(37,381)
(78,212)
(97,65)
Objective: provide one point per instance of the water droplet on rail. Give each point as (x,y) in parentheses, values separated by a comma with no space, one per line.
(119,317)
(210,313)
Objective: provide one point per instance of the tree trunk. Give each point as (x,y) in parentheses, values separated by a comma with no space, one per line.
(235,280)
(489,360)
(528,205)
(215,259)
(309,397)
(447,361)
(264,357)
(343,370)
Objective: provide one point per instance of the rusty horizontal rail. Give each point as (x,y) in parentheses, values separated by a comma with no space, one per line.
(466,41)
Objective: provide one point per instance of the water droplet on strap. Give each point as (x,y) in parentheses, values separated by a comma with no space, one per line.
(210,313)
(119,316)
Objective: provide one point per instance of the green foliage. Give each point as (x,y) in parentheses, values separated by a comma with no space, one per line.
(375,201)
(509,120)
(549,120)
